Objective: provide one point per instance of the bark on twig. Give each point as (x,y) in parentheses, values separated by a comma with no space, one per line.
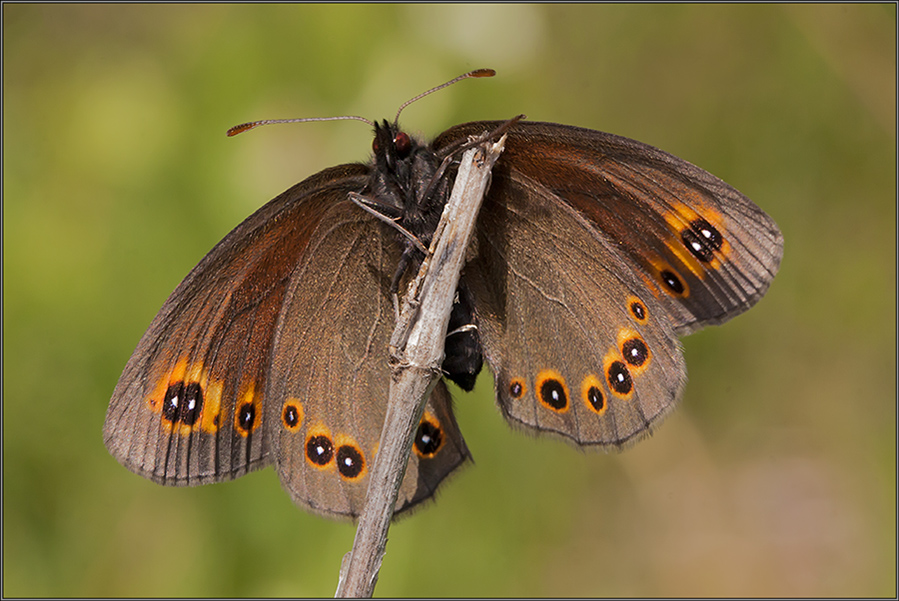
(416,357)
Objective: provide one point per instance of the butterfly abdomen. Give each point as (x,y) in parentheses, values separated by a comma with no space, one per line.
(463,356)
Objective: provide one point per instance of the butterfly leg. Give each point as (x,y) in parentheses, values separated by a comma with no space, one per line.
(401,267)
(369,205)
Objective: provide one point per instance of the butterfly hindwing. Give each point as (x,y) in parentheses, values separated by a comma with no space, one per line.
(330,375)
(576,347)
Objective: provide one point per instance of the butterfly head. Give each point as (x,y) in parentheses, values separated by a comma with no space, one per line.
(391,146)
(404,180)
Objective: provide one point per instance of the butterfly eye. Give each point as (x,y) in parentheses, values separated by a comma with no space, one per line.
(403,144)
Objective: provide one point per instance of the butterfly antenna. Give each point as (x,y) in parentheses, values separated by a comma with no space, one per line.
(239,129)
(475,73)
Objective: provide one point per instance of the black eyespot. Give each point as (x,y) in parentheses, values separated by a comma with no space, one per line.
(183,403)
(292,415)
(702,239)
(172,402)
(553,394)
(635,352)
(428,438)
(620,378)
(403,144)
(246,415)
(596,399)
(350,462)
(672,282)
(638,310)
(516,388)
(319,450)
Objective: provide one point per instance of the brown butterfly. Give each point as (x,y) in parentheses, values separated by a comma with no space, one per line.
(592,254)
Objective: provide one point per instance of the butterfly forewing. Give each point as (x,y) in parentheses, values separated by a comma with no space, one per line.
(188,406)
(703,249)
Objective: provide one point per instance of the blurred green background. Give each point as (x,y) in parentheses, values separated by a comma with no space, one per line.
(777,475)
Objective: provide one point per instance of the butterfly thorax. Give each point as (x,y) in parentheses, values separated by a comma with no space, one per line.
(402,181)
(405,186)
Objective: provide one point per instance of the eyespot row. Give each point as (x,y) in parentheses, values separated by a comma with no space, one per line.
(182,406)
(322,449)
(620,366)
(188,402)
(704,243)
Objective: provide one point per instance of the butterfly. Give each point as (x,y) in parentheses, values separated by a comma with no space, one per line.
(591,255)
